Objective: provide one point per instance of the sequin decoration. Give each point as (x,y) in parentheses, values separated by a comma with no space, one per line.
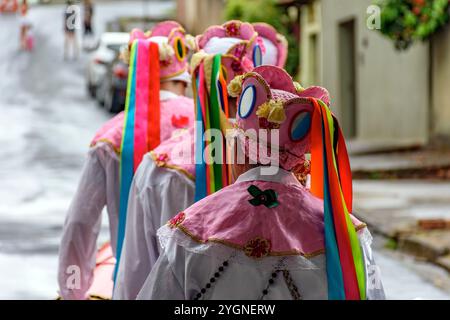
(295,294)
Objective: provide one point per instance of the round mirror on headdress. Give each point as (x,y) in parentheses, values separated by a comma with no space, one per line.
(257,56)
(247,102)
(180,48)
(300,125)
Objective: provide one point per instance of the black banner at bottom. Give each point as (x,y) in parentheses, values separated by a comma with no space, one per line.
(222,309)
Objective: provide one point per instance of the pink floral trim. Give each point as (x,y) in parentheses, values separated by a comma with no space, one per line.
(161,159)
(232,29)
(177,220)
(257,248)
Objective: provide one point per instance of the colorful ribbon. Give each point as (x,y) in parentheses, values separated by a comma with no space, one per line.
(141,131)
(200,165)
(331,181)
(211,176)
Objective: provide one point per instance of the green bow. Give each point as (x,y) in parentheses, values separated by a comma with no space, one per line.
(267,197)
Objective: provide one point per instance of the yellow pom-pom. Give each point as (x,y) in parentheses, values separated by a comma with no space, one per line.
(264,110)
(165,51)
(277,113)
(273,111)
(190,42)
(298,87)
(235,86)
(197,58)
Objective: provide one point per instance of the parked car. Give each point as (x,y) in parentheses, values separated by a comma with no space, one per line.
(113,88)
(103,57)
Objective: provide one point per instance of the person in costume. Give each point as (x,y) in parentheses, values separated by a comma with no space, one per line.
(165,182)
(156,109)
(266,236)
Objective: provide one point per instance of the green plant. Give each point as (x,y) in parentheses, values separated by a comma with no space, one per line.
(406,21)
(391,244)
(267,11)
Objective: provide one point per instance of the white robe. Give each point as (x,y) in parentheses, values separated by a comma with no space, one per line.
(156,195)
(182,271)
(98,187)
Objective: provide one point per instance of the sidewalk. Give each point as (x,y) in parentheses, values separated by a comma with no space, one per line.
(404,195)
(418,163)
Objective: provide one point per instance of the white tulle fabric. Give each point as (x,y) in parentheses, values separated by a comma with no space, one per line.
(97,188)
(218,45)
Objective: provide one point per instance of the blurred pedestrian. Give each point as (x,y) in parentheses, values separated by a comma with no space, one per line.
(70,26)
(88,13)
(25,26)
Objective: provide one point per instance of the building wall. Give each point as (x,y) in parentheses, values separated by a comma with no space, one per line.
(197,15)
(311,44)
(392,91)
(440,125)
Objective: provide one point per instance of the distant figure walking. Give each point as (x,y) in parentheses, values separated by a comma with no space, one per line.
(26,40)
(88,13)
(70,26)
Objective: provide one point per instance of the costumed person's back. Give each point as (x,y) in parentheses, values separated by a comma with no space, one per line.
(266,236)
(165,182)
(116,153)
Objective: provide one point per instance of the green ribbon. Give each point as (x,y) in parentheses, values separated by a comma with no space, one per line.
(267,197)
(214,107)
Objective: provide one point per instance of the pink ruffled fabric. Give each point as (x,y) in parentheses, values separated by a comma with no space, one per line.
(110,132)
(295,225)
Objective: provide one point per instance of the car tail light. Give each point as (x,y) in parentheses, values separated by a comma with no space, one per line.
(120,72)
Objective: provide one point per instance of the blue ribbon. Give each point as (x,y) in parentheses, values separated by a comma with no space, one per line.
(334,270)
(126,161)
(200,165)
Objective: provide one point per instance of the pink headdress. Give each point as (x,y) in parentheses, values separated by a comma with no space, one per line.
(225,51)
(270,99)
(235,41)
(275,45)
(174,46)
